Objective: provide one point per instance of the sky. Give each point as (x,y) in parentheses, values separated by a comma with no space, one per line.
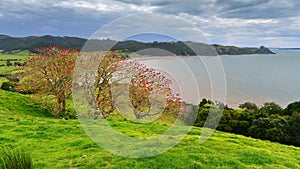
(271,23)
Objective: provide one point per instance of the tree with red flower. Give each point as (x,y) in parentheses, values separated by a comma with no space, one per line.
(49,72)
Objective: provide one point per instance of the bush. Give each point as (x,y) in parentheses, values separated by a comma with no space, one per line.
(8,63)
(251,107)
(294,129)
(292,108)
(270,108)
(13,87)
(270,129)
(17,159)
(8,86)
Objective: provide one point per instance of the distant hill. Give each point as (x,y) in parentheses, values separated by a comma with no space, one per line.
(31,43)
(9,44)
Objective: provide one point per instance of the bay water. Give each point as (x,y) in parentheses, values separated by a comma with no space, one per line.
(235,79)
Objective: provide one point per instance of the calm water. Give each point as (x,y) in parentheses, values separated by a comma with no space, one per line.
(255,78)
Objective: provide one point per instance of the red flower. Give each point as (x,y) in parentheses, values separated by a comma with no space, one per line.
(70,69)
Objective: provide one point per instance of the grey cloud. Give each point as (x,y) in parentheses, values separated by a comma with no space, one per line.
(259,9)
(234,4)
(22,19)
(149,2)
(204,7)
(227,21)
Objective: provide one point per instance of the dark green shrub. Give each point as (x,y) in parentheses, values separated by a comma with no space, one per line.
(270,129)
(8,86)
(8,63)
(251,107)
(15,159)
(12,87)
(294,129)
(270,108)
(292,108)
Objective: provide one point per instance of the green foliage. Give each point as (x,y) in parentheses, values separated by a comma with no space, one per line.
(205,102)
(270,108)
(267,129)
(292,108)
(294,129)
(8,63)
(8,86)
(232,50)
(265,122)
(15,159)
(251,107)
(233,121)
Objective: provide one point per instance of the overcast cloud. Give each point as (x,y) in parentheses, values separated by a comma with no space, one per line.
(273,23)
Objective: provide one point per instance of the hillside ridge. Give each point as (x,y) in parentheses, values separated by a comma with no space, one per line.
(9,44)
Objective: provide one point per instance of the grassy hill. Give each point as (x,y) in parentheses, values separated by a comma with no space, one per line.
(56,143)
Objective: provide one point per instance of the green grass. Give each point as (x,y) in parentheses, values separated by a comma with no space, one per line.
(55,143)
(7,69)
(16,159)
(18,55)
(2,79)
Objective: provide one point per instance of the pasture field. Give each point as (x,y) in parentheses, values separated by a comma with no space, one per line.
(57,143)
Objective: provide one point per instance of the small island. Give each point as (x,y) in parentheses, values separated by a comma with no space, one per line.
(232,50)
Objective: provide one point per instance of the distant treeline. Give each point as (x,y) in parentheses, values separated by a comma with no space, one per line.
(268,122)
(9,44)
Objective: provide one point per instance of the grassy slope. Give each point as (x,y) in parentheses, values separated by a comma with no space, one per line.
(21,56)
(55,143)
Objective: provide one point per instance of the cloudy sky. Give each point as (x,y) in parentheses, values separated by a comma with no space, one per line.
(272,23)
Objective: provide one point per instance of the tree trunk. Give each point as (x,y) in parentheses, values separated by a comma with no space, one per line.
(105,99)
(63,106)
(60,106)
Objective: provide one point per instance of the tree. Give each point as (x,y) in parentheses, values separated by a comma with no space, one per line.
(268,129)
(108,65)
(294,129)
(292,108)
(49,72)
(270,108)
(149,88)
(204,102)
(120,82)
(143,84)
(251,107)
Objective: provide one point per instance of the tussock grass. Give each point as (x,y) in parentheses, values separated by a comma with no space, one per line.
(15,159)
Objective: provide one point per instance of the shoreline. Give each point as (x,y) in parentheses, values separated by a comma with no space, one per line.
(158,57)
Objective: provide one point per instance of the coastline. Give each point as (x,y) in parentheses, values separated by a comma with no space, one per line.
(158,57)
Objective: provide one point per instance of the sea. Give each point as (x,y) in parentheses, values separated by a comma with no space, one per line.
(234,79)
